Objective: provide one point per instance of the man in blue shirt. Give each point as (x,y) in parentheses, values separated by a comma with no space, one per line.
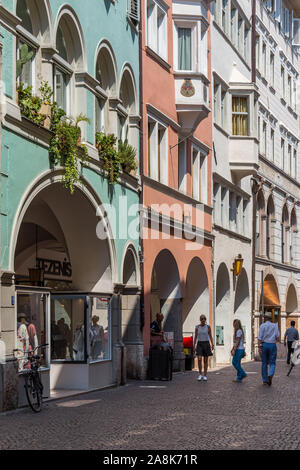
(267,338)
(290,335)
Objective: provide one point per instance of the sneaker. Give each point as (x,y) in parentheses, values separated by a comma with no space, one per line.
(205,378)
(199,378)
(237,380)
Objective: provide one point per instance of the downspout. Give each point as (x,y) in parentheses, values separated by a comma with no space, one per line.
(141,162)
(254,192)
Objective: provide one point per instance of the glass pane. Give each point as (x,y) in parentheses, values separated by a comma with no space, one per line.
(184,49)
(61,44)
(27,65)
(31,327)
(100,110)
(61,88)
(22,12)
(99,330)
(67,329)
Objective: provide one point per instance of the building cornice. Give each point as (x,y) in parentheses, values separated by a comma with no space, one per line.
(232,234)
(162,117)
(220,179)
(276,264)
(8,20)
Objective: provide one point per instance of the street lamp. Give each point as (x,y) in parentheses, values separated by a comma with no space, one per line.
(238,265)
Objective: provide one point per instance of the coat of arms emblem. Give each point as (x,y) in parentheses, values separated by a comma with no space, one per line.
(187,88)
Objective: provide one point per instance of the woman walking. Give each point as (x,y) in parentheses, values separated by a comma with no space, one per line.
(238,350)
(202,347)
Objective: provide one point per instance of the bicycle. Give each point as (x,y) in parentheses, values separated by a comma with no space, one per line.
(33,383)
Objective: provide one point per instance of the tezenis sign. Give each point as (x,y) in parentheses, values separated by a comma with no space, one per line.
(55,268)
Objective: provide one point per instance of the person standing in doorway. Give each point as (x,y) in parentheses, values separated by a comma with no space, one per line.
(290,336)
(202,348)
(238,350)
(268,336)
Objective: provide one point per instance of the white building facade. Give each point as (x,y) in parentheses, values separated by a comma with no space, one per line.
(235,161)
(278,211)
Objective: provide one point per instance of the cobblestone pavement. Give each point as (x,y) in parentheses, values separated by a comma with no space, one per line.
(182,414)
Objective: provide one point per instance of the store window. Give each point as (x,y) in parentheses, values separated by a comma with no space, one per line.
(99,329)
(80,329)
(31,328)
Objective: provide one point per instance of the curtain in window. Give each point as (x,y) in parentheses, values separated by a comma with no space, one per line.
(239,116)
(184,49)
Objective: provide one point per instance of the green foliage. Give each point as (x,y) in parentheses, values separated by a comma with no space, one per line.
(106,145)
(127,156)
(25,56)
(65,147)
(30,105)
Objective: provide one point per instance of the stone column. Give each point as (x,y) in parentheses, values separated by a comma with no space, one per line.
(172,311)
(132,334)
(9,378)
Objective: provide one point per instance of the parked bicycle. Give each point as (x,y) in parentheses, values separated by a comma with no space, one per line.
(33,383)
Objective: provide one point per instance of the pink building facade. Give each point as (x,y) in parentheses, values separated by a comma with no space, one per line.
(176,167)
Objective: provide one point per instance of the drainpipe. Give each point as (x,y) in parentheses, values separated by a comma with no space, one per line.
(253,54)
(255,187)
(141,161)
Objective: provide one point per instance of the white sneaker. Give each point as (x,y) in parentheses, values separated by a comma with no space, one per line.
(199,378)
(205,378)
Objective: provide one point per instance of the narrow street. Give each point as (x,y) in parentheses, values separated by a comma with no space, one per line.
(180,415)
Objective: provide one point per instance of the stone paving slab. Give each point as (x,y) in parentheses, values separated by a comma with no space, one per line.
(182,414)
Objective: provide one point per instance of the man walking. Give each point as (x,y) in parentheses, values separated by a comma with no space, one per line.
(267,337)
(290,336)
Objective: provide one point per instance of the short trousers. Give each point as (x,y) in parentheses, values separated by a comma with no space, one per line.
(203,349)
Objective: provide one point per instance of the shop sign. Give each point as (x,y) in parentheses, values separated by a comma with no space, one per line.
(55,268)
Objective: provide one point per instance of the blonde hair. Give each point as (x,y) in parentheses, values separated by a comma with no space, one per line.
(237,326)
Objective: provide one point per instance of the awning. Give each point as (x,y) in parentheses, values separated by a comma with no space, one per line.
(271,298)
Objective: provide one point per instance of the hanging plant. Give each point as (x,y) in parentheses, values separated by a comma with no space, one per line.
(30,105)
(106,145)
(127,156)
(65,148)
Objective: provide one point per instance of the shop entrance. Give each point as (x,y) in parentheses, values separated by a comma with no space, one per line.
(61,264)
(271,300)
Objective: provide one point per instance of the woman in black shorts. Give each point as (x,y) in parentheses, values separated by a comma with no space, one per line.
(202,347)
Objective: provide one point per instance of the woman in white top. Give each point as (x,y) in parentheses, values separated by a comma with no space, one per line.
(203,349)
(238,350)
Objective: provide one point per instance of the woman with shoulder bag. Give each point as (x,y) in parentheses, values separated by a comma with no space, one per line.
(238,350)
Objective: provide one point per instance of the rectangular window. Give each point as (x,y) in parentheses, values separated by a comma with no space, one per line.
(223,108)
(100,115)
(239,116)
(196,174)
(31,328)
(232,211)
(282,75)
(246,42)
(233,17)
(182,166)
(99,341)
(184,49)
(272,145)
(25,70)
(295,164)
(264,59)
(282,154)
(290,92)
(264,146)
(216,91)
(157,29)
(257,51)
(203,179)
(272,68)
(290,163)
(224,15)
(61,85)
(240,35)
(157,149)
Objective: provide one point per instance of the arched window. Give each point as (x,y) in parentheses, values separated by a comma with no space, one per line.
(293,241)
(284,234)
(269,228)
(106,75)
(260,224)
(68,61)
(26,47)
(127,124)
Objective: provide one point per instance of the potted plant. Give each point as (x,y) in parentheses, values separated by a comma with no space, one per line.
(127,155)
(106,145)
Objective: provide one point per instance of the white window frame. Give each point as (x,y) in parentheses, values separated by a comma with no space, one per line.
(68,86)
(33,46)
(195,40)
(182,165)
(156,41)
(158,173)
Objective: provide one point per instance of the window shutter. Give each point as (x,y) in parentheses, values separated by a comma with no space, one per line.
(133,10)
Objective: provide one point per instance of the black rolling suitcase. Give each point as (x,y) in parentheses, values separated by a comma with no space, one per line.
(160,363)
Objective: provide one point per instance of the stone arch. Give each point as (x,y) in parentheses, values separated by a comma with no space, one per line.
(242,306)
(130,267)
(291,302)
(40,16)
(106,67)
(128,121)
(223,317)
(196,296)
(69,24)
(91,205)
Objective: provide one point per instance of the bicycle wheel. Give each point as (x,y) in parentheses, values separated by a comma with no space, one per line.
(33,392)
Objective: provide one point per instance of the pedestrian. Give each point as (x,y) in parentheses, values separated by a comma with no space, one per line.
(238,350)
(202,347)
(290,336)
(268,335)
(157,334)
